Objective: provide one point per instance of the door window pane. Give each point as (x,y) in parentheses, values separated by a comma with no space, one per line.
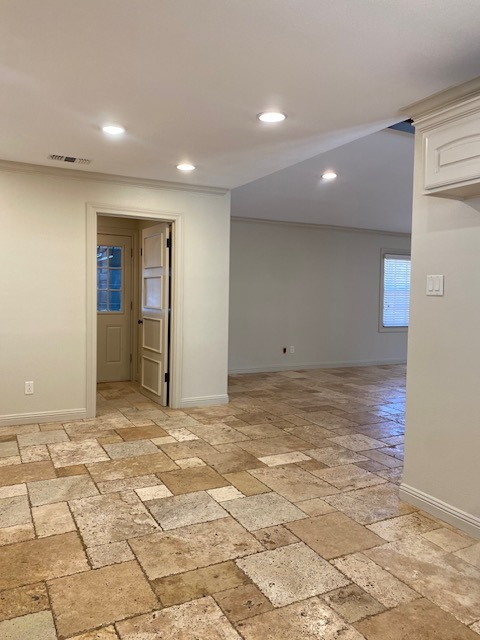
(109,279)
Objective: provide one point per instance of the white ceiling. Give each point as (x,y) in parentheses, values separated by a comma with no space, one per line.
(187,78)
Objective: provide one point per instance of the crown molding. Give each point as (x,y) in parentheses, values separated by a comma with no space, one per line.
(326,227)
(443,100)
(76,174)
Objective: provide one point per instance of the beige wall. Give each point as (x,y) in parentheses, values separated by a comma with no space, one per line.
(443,380)
(315,288)
(43,287)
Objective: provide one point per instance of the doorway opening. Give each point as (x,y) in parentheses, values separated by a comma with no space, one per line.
(132,286)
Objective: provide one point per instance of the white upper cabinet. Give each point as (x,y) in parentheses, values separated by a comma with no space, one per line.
(451,144)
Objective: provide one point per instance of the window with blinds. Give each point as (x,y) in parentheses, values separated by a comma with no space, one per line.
(396,290)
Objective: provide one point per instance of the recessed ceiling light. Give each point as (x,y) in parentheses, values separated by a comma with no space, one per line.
(329,175)
(184,166)
(113,129)
(271,116)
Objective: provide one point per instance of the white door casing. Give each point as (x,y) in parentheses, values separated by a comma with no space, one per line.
(114,307)
(155,312)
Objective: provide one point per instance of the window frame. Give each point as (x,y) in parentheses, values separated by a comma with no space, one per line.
(383,253)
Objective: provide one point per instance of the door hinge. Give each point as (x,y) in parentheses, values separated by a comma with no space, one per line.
(131,253)
(131,306)
(169,244)
(131,357)
(141,251)
(167,377)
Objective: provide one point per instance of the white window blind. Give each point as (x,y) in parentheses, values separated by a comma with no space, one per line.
(396,290)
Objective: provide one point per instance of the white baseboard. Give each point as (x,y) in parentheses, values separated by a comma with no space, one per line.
(314,365)
(460,519)
(66,415)
(202,401)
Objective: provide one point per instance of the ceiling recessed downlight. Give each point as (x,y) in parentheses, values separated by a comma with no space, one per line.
(329,175)
(113,129)
(271,116)
(184,166)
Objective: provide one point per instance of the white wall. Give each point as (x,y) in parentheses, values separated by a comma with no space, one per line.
(43,286)
(315,288)
(442,458)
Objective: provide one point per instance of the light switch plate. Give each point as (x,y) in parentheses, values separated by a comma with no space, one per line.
(435,285)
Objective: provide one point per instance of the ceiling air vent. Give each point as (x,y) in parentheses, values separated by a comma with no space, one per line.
(70,159)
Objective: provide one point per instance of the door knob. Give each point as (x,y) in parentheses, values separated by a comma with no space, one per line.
(140,322)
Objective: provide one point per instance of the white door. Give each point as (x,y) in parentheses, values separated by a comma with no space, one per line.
(114,307)
(154,311)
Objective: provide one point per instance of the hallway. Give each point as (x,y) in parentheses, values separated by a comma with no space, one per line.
(274,516)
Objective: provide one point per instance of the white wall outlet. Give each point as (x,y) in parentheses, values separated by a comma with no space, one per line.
(434,285)
(29,388)
(292,349)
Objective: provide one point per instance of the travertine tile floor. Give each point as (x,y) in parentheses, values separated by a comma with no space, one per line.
(276,516)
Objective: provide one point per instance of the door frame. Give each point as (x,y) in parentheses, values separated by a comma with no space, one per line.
(176,322)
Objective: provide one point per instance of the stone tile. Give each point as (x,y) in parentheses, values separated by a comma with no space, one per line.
(273,446)
(420,619)
(127,484)
(52,519)
(293,483)
(476,627)
(36,560)
(449,582)
(403,526)
(258,431)
(17,533)
(449,540)
(315,507)
(14,511)
(274,537)
(13,490)
(65,454)
(197,620)
(223,494)
(190,463)
(45,437)
(348,477)
(242,602)
(470,555)
(106,633)
(181,435)
(60,490)
(300,621)
(358,442)
(292,573)
(23,601)
(35,625)
(107,554)
(392,475)
(312,433)
(352,603)
(230,462)
(8,449)
(335,456)
(264,510)
(218,433)
(246,483)
(334,534)
(378,456)
(177,551)
(143,433)
(191,585)
(131,467)
(189,480)
(153,493)
(311,465)
(79,601)
(371,504)
(163,440)
(35,453)
(13,460)
(284,458)
(186,509)
(375,581)
(73,470)
(30,472)
(111,518)
(182,450)
(130,449)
